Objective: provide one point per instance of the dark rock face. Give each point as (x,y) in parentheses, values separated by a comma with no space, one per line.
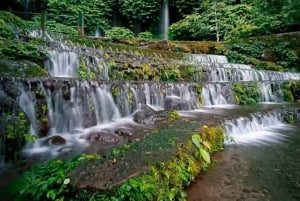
(54,140)
(44,128)
(177,104)
(144,115)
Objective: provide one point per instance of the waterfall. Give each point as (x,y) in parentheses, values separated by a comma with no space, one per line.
(165,21)
(256,128)
(65,61)
(206,58)
(62,63)
(27,103)
(216,94)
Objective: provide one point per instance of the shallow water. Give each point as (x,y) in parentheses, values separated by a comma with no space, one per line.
(264,169)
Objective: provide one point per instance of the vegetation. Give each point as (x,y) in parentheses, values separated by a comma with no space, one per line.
(119,33)
(47,181)
(246,94)
(228,20)
(16,135)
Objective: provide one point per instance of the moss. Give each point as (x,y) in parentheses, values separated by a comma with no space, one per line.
(9,24)
(246,94)
(165,180)
(21,68)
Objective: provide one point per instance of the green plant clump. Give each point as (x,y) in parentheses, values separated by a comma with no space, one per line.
(173,115)
(246,94)
(119,33)
(146,35)
(16,136)
(48,181)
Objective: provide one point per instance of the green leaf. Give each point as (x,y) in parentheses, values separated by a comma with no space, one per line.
(196,139)
(52,194)
(205,155)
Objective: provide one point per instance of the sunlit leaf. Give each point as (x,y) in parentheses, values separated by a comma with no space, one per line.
(205,155)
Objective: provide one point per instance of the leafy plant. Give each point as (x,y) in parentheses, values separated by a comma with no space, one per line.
(246,94)
(146,35)
(119,33)
(16,136)
(47,181)
(97,13)
(173,115)
(197,141)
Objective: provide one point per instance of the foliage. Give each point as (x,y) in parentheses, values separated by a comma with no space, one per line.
(96,13)
(16,136)
(295,90)
(83,72)
(214,135)
(141,11)
(146,35)
(173,115)
(10,25)
(165,180)
(47,181)
(192,27)
(22,50)
(186,7)
(202,154)
(170,74)
(224,20)
(53,26)
(246,94)
(119,33)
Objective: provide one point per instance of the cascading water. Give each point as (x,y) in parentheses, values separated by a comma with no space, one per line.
(255,129)
(65,61)
(77,107)
(165,21)
(74,107)
(217,94)
(62,63)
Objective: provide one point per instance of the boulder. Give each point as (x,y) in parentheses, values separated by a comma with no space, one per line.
(172,103)
(144,115)
(54,140)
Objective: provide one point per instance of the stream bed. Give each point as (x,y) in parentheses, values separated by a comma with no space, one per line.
(260,170)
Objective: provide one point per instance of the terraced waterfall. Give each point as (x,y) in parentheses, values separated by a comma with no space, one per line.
(72,109)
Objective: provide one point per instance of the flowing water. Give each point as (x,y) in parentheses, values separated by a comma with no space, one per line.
(80,112)
(263,165)
(165,21)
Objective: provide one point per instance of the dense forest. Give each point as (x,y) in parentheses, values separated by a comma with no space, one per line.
(189,20)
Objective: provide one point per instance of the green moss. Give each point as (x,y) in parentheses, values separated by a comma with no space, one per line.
(166,180)
(21,68)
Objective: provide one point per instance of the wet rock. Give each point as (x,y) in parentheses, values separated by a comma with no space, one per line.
(123,132)
(160,45)
(177,104)
(144,116)
(11,89)
(44,128)
(54,140)
(246,190)
(103,138)
(65,150)
(7,103)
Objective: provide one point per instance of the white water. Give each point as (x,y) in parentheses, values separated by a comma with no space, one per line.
(215,94)
(62,63)
(165,21)
(256,129)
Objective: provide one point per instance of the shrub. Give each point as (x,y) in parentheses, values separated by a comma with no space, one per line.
(119,33)
(146,35)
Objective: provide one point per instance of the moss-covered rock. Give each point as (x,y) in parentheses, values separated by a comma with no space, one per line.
(22,68)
